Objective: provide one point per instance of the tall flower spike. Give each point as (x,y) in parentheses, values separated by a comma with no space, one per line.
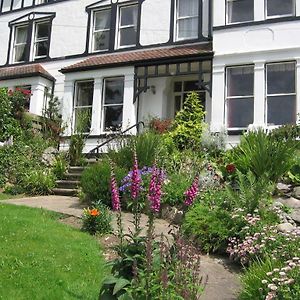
(115,197)
(135,178)
(155,192)
(192,192)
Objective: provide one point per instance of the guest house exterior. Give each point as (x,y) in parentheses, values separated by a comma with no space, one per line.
(125,61)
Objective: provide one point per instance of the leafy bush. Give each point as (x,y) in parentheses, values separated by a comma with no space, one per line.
(95,182)
(38,182)
(97,219)
(290,132)
(210,227)
(147,147)
(263,155)
(294,173)
(160,126)
(189,123)
(60,166)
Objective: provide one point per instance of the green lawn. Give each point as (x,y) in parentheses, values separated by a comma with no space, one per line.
(41,258)
(4,196)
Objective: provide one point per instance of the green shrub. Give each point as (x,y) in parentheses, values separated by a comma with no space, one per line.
(38,182)
(263,155)
(95,182)
(147,148)
(60,166)
(189,123)
(97,219)
(290,132)
(294,173)
(210,227)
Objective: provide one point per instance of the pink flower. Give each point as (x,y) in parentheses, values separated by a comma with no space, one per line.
(135,178)
(115,197)
(155,192)
(192,192)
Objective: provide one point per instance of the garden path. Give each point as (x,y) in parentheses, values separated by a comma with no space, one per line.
(222,277)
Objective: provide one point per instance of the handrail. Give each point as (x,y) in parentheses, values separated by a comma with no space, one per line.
(96,149)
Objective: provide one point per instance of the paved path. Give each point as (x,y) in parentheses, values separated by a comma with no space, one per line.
(222,278)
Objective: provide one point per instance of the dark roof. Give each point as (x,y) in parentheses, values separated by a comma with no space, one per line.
(24,71)
(139,56)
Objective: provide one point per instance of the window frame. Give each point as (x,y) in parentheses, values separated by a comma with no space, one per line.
(36,41)
(227,14)
(103,105)
(93,31)
(84,106)
(14,45)
(227,98)
(279,16)
(177,19)
(119,27)
(276,95)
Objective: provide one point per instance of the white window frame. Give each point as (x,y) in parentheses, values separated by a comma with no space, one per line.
(20,44)
(281,94)
(227,98)
(279,16)
(93,31)
(36,41)
(227,14)
(184,18)
(119,27)
(103,129)
(83,106)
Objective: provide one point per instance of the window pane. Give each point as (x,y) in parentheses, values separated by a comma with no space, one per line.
(188,28)
(101,40)
(191,86)
(21,34)
(129,15)
(83,118)
(177,86)
(85,92)
(188,8)
(240,81)
(102,20)
(114,91)
(41,49)
(177,103)
(20,53)
(127,36)
(281,110)
(280,7)
(42,30)
(240,11)
(240,112)
(281,78)
(113,116)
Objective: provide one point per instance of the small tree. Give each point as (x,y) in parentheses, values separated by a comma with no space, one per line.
(189,124)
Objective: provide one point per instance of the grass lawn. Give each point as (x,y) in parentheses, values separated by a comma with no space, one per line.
(4,196)
(41,258)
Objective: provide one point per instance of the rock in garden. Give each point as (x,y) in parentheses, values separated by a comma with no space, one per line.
(296,192)
(295,215)
(290,202)
(283,188)
(178,217)
(286,227)
(49,156)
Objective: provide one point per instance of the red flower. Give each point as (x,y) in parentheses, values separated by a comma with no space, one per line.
(230,168)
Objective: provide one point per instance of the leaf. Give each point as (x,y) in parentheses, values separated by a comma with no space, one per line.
(125,296)
(120,284)
(110,280)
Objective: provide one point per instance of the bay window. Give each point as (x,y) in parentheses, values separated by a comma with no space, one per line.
(127,31)
(281,93)
(112,109)
(240,97)
(20,42)
(101,30)
(239,11)
(41,40)
(187,19)
(276,8)
(84,92)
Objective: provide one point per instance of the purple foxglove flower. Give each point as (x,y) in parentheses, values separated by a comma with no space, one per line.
(192,192)
(115,197)
(155,189)
(135,178)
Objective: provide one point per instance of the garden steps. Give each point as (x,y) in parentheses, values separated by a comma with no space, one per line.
(64,192)
(68,184)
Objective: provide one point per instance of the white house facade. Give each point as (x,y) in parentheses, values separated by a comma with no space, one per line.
(125,61)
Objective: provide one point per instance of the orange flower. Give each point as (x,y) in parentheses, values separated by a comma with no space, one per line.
(94,212)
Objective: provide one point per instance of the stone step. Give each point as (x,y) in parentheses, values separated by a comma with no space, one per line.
(65,192)
(72,176)
(68,184)
(75,169)
(92,161)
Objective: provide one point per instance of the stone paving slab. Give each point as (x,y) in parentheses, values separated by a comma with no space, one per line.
(222,277)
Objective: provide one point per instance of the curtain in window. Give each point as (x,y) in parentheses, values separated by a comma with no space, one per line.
(102,20)
(188,8)
(240,11)
(280,7)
